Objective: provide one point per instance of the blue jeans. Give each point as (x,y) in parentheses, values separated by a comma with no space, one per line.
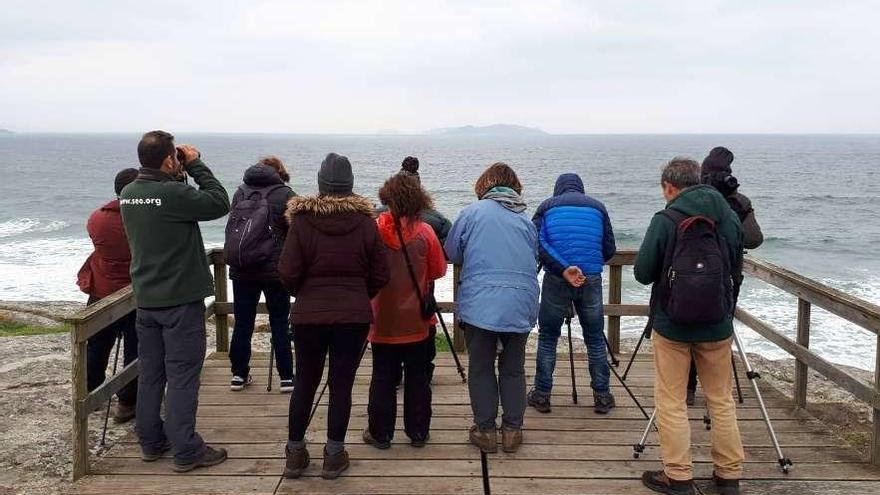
(557,297)
(246,295)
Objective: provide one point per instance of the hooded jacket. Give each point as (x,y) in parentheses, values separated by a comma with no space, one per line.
(333,261)
(573,229)
(265,178)
(397,309)
(498,250)
(697,200)
(161,216)
(716,167)
(107,269)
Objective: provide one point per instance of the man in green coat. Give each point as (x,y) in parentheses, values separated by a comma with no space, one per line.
(170,279)
(674,343)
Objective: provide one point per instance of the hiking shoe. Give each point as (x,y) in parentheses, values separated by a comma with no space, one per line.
(210,457)
(153,457)
(286,386)
(511,439)
(540,401)
(419,442)
(369,439)
(691,397)
(487,441)
(603,403)
(725,487)
(659,482)
(123,413)
(297,462)
(237,384)
(334,464)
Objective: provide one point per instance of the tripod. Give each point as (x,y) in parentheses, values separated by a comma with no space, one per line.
(107,412)
(784,462)
(452,348)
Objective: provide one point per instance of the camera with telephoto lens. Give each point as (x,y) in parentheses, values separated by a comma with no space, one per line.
(725,183)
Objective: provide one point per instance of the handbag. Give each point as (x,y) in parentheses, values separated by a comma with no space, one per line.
(427,302)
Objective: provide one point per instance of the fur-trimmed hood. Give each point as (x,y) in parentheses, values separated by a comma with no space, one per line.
(331,214)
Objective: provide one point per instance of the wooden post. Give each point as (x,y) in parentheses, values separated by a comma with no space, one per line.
(615,286)
(457,332)
(875,440)
(800,368)
(80,434)
(221,322)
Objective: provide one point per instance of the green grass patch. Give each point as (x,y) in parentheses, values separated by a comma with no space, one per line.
(440,341)
(10,328)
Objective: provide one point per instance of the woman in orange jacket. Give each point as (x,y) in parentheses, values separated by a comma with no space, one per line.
(404,312)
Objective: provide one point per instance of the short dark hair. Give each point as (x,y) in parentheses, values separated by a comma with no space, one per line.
(154,148)
(681,173)
(410,164)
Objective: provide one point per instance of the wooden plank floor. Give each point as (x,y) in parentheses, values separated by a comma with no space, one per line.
(569,451)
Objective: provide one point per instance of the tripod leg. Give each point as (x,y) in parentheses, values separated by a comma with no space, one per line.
(739,392)
(271,355)
(784,463)
(633,357)
(611,356)
(452,348)
(574,393)
(639,448)
(107,412)
(484,464)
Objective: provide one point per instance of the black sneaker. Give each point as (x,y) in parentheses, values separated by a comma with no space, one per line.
(659,482)
(603,403)
(419,442)
(210,457)
(725,487)
(286,386)
(370,440)
(238,383)
(540,401)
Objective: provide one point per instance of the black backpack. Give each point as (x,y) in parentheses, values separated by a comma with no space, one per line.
(250,240)
(696,286)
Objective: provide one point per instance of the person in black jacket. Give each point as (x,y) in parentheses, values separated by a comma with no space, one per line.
(270,177)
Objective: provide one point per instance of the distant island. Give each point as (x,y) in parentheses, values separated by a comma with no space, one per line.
(488,130)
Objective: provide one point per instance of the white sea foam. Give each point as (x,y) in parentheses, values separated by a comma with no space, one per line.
(21,226)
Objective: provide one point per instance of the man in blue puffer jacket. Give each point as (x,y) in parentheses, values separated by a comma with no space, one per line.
(576,240)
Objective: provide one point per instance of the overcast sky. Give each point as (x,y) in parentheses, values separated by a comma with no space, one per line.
(569,67)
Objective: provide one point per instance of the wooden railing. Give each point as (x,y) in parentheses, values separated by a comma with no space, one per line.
(96,317)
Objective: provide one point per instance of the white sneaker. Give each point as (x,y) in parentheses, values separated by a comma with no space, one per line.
(238,383)
(286,386)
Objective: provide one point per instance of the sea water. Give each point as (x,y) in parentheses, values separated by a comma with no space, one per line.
(815,196)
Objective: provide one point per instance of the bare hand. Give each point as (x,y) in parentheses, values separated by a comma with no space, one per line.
(574,276)
(190,154)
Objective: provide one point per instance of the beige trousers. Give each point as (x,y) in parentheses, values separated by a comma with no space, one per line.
(672,362)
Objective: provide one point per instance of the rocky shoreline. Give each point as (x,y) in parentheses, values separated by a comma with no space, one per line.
(35,383)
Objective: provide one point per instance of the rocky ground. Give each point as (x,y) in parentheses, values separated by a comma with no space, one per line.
(35,402)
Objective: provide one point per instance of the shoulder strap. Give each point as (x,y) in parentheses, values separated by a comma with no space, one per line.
(264,192)
(675,215)
(409,267)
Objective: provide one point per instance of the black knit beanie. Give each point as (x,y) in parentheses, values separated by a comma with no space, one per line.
(124,178)
(410,164)
(719,160)
(335,176)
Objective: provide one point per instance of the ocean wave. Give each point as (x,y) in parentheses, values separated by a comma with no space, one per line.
(21,226)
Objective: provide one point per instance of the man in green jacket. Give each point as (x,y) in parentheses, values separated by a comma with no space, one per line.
(170,279)
(674,343)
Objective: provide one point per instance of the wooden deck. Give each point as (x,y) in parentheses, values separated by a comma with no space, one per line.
(569,451)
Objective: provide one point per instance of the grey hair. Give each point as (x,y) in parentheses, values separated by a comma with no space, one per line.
(681,173)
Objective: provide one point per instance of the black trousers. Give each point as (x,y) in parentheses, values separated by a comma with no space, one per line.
(312,344)
(387,362)
(98,351)
(432,354)
(692,376)
(247,296)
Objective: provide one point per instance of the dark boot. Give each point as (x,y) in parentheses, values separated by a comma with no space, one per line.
(659,482)
(155,456)
(334,464)
(487,441)
(540,401)
(725,487)
(210,457)
(369,439)
(123,413)
(297,462)
(511,439)
(603,403)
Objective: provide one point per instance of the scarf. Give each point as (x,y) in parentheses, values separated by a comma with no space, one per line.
(507,198)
